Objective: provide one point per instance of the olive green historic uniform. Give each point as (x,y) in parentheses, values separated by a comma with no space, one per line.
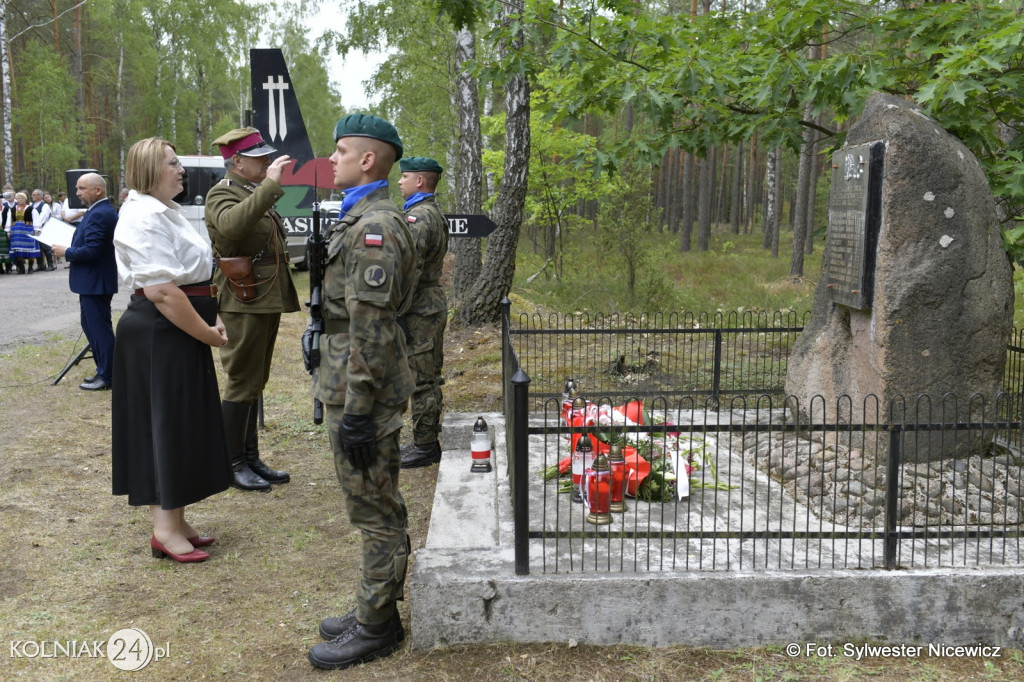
(242,222)
(368,281)
(427,318)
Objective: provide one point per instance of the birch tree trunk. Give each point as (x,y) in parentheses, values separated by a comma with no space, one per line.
(482,303)
(469,168)
(769,209)
(158,41)
(777,222)
(119,104)
(5,66)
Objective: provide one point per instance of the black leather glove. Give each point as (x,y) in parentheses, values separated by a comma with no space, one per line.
(307,348)
(358,437)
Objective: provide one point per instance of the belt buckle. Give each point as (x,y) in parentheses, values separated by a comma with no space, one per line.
(213,290)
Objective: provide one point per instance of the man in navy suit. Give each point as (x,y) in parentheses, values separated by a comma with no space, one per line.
(94,275)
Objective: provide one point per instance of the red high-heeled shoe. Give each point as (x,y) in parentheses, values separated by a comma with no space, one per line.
(201,540)
(159,552)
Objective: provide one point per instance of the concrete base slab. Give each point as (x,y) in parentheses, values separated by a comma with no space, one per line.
(463,589)
(465,511)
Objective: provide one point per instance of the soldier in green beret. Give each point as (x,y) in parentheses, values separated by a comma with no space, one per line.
(364,382)
(428,314)
(245,229)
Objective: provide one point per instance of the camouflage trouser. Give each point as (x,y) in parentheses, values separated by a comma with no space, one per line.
(246,359)
(375,506)
(426,358)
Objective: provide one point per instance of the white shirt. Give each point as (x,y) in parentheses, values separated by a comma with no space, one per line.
(40,214)
(156,244)
(10,213)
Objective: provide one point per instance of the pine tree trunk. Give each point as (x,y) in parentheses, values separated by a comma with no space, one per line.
(812,194)
(722,189)
(736,205)
(800,203)
(78,68)
(704,204)
(686,229)
(676,190)
(752,186)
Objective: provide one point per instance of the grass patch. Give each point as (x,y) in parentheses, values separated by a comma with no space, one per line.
(734,274)
(76,565)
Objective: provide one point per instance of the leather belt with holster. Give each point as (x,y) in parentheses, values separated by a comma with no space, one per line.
(189,290)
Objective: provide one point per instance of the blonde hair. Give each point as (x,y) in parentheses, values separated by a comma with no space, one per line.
(144,164)
(22,196)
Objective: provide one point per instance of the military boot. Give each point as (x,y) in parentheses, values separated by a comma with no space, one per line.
(421,455)
(361,644)
(252,451)
(337,626)
(236,416)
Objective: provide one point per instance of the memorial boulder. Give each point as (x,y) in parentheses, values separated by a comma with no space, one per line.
(915,295)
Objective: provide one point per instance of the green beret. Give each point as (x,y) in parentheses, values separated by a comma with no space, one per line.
(365,125)
(420,163)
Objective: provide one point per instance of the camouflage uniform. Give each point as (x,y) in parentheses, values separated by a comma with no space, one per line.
(427,318)
(242,222)
(368,281)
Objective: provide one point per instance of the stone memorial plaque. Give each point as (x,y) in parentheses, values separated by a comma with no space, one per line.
(854,215)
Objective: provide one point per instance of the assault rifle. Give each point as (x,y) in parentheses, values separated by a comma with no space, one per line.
(315,328)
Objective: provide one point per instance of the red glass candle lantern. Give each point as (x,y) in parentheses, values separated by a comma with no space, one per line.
(617,465)
(597,488)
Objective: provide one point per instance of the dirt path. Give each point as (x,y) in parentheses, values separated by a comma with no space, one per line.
(35,306)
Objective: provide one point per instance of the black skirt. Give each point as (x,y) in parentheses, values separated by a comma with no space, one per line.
(168,443)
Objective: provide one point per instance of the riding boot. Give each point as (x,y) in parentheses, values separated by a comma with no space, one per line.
(252,451)
(236,417)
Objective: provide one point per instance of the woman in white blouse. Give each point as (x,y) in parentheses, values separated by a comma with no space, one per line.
(168,442)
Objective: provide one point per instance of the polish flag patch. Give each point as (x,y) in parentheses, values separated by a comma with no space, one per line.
(410,218)
(373,239)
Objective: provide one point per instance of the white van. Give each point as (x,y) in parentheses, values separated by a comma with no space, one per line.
(201,174)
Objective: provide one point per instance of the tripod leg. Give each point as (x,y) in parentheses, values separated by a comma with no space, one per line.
(74,361)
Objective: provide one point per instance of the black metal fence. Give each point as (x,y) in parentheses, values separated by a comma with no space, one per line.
(669,355)
(742,481)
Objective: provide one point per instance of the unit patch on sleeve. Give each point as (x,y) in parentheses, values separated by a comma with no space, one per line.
(375,275)
(373,239)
